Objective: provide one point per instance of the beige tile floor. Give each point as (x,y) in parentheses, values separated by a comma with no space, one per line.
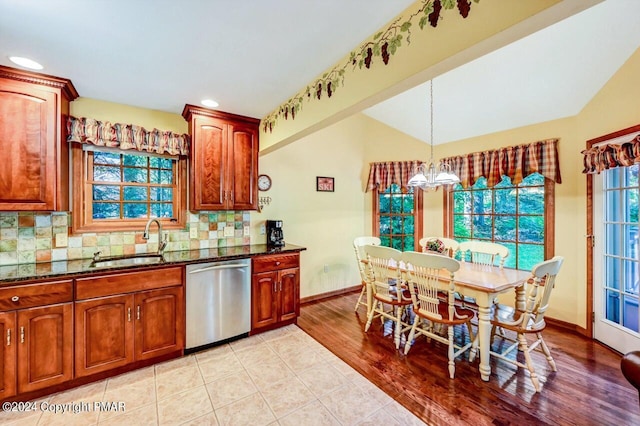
(282,377)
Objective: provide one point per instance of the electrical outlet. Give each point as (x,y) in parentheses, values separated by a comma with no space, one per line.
(247,231)
(326,268)
(228,231)
(62,240)
(193,232)
(263,229)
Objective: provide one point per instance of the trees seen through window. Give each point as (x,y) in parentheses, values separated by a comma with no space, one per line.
(512,215)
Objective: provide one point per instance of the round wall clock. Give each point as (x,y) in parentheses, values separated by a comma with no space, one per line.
(264,182)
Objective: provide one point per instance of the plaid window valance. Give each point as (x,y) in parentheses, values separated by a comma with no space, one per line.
(126,136)
(516,162)
(383,175)
(612,155)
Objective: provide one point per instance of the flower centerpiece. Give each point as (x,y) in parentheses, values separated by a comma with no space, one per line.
(435,245)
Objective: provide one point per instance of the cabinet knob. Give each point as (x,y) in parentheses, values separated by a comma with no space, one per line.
(277,263)
(15,298)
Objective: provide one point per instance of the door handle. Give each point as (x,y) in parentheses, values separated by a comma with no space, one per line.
(280,285)
(212,268)
(129,314)
(138,312)
(21,334)
(8,337)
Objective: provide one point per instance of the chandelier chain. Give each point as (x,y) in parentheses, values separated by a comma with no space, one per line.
(431,116)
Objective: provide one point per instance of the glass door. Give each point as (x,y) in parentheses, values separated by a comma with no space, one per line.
(616,261)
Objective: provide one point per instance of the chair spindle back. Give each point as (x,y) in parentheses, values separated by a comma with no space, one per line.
(384,272)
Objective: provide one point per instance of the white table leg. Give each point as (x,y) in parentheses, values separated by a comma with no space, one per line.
(484,334)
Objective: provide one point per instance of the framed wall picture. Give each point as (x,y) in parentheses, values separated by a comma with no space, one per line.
(324,184)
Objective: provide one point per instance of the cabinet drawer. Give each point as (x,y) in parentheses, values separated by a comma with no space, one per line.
(30,295)
(127,282)
(275,262)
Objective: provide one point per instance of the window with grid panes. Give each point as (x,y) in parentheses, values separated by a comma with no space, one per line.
(131,186)
(512,215)
(398,218)
(122,189)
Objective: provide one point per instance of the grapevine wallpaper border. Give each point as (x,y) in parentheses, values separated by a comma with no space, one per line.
(384,44)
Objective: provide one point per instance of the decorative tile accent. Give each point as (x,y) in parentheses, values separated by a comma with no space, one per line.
(8,245)
(30,237)
(26,232)
(43,220)
(26,220)
(8,220)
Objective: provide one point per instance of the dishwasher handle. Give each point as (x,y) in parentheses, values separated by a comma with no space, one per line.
(217,267)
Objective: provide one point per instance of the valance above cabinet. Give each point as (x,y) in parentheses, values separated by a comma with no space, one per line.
(223,172)
(35,167)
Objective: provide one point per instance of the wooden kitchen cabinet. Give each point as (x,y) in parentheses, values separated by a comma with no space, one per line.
(8,360)
(275,291)
(159,322)
(37,341)
(104,334)
(45,349)
(33,111)
(145,320)
(223,173)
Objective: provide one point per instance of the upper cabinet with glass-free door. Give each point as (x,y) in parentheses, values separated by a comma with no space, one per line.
(223,173)
(35,167)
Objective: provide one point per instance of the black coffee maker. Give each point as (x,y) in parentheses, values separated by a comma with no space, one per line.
(275,237)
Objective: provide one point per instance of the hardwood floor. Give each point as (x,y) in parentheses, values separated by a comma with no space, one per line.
(587,389)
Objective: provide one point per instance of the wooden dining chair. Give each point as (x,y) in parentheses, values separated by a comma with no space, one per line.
(358,246)
(530,321)
(483,252)
(424,281)
(385,283)
(450,245)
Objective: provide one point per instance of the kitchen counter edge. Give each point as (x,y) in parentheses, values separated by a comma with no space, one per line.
(10,274)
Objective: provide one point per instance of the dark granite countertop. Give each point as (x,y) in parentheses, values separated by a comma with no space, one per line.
(53,270)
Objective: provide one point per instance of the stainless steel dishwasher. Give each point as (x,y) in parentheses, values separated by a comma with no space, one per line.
(218,302)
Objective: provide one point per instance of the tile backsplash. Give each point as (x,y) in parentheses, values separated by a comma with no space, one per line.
(28,237)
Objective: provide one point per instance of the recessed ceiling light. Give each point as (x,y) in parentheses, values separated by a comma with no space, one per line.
(209,102)
(25,62)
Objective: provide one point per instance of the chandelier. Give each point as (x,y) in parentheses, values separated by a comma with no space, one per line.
(426,177)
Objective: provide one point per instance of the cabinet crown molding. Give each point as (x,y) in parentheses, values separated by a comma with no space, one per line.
(64,84)
(191,110)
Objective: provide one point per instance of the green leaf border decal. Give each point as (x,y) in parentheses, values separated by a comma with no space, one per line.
(383,45)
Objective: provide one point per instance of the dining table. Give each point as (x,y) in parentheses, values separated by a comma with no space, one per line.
(484,283)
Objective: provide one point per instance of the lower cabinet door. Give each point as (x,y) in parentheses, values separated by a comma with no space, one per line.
(45,348)
(8,377)
(264,306)
(104,334)
(159,322)
(289,293)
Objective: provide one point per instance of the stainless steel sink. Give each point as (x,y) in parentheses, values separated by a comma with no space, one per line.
(127,260)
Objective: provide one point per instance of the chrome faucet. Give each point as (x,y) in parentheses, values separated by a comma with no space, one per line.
(162,239)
